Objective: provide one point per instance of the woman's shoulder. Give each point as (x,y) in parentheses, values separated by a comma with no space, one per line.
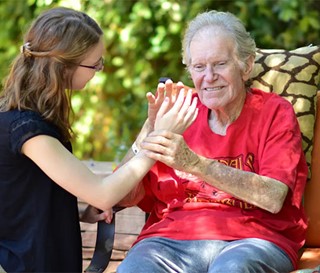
(26,122)
(16,115)
(11,117)
(17,118)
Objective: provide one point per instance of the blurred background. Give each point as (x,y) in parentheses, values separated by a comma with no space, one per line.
(143,43)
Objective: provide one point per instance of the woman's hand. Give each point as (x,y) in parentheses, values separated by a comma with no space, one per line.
(167,89)
(179,116)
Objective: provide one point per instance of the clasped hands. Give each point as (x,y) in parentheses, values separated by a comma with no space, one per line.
(171,112)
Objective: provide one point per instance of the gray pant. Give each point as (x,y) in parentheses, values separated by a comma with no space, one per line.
(163,255)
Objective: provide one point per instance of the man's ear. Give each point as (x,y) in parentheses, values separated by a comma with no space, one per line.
(248,68)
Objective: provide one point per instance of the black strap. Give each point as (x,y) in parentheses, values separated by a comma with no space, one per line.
(104,244)
(103,248)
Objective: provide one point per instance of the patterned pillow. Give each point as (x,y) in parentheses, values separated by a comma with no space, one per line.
(295,75)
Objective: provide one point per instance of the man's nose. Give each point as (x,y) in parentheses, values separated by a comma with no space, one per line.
(210,73)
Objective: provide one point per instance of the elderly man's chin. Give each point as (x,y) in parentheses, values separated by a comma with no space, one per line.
(212,102)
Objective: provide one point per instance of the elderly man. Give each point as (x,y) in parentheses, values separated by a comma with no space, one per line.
(225,196)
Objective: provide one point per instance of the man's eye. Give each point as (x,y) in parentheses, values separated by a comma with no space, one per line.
(199,67)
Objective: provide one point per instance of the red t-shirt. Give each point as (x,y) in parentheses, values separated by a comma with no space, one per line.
(265,139)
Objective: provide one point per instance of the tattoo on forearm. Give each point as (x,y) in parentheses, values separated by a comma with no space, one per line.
(187,158)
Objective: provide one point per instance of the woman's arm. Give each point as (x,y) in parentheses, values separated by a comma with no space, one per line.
(71,174)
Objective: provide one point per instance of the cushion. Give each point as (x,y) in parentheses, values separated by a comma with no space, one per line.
(295,75)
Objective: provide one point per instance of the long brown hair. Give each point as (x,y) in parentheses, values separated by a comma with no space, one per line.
(40,77)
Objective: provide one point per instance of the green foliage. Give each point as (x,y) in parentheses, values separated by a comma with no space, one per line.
(143,43)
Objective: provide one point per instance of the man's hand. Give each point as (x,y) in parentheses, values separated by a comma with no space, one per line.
(92,215)
(171,149)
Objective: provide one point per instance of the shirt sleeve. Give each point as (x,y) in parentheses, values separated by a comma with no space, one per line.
(281,155)
(27,125)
